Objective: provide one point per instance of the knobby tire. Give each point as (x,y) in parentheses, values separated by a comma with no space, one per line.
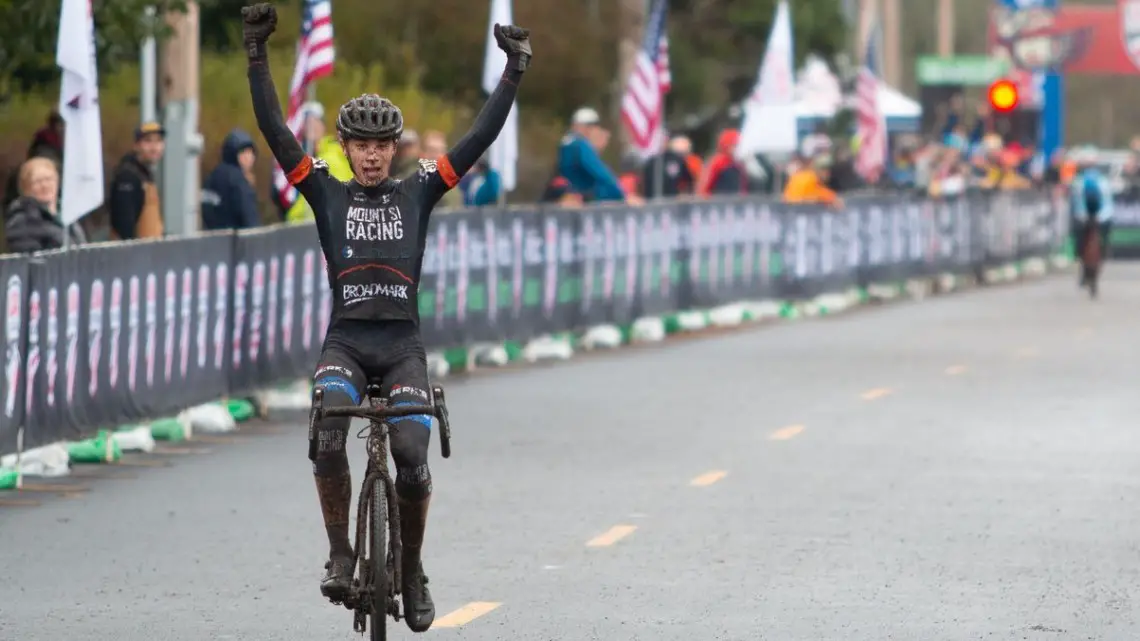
(378,551)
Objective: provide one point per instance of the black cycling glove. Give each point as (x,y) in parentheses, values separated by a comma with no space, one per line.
(258,23)
(515,41)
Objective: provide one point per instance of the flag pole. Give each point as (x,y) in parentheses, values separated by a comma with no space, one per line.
(659,170)
(310,96)
(502,156)
(310,146)
(659,173)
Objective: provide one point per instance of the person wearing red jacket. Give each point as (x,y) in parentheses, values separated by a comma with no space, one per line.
(723,174)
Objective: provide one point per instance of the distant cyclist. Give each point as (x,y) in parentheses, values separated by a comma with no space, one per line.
(1091,201)
(372,231)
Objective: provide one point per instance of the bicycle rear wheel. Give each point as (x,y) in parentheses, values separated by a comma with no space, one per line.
(378,536)
(1093,260)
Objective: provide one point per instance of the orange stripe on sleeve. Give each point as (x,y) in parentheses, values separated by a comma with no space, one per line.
(301,171)
(447,172)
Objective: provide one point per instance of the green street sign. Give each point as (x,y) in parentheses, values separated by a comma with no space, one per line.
(960,70)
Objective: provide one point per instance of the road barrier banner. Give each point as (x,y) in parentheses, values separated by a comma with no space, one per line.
(116,333)
(1125,239)
(124,332)
(280,306)
(14,276)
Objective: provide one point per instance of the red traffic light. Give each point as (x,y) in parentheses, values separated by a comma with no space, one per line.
(1003,96)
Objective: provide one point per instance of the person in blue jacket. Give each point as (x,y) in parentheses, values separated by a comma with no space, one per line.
(482,185)
(228,197)
(1091,201)
(580,164)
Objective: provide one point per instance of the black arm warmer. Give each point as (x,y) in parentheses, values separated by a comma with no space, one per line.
(267,109)
(488,123)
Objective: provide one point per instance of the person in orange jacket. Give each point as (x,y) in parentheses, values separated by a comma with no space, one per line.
(808,184)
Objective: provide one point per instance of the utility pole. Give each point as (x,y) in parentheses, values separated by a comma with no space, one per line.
(946,28)
(148,73)
(180,170)
(892,22)
(863,29)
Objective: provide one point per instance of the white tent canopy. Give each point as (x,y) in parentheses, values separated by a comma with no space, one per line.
(819,97)
(896,105)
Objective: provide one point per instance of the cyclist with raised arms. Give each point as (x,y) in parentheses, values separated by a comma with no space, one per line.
(372,231)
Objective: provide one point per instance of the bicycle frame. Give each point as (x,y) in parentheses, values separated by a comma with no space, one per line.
(378,413)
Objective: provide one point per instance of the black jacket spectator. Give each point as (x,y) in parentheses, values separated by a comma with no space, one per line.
(843,175)
(676,179)
(228,199)
(30,227)
(134,205)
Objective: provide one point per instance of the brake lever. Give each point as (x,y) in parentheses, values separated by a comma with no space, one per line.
(316,414)
(441,413)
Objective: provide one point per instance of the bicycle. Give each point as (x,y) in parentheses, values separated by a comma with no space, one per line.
(1091,258)
(377,581)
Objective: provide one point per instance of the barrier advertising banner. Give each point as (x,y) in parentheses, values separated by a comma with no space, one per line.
(111,334)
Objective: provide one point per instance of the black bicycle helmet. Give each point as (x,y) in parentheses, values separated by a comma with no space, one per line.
(369,117)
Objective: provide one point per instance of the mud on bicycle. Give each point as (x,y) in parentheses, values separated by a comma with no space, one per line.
(375,592)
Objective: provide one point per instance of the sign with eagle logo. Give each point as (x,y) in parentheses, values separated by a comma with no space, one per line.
(1130,29)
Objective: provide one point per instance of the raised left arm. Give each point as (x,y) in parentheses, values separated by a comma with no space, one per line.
(515,41)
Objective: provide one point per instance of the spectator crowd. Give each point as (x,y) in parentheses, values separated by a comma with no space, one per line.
(956,158)
(959,156)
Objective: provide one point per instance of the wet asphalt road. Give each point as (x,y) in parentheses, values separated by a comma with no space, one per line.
(962,468)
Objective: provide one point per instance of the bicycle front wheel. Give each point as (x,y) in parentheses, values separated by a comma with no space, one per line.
(378,536)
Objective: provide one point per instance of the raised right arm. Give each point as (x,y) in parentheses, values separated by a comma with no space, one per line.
(259,21)
(267,109)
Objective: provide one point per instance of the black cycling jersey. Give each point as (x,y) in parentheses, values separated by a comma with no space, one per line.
(373,237)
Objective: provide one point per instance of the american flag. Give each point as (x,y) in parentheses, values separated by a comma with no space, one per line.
(315,57)
(870,125)
(643,105)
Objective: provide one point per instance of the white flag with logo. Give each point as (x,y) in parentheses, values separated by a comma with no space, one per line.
(504,152)
(770,112)
(79,107)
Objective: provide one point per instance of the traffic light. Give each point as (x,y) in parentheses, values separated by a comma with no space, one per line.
(1003,96)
